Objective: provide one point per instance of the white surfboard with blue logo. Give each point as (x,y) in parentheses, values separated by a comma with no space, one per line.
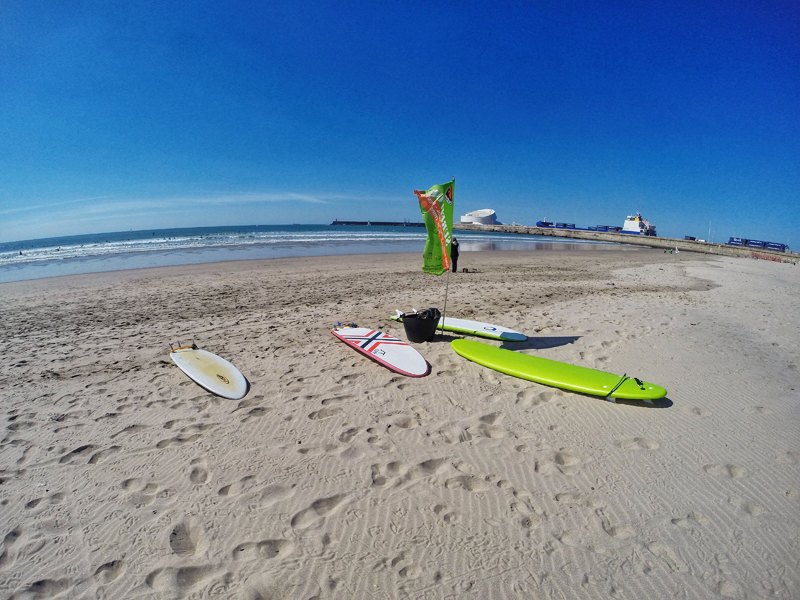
(465,326)
(392,353)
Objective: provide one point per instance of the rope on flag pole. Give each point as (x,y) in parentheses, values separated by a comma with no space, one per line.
(444,312)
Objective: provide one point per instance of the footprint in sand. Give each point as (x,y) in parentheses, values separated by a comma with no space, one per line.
(19,426)
(560,462)
(274,493)
(315,450)
(617,531)
(186,435)
(178,440)
(145,493)
(340,398)
(449,516)
(490,431)
(376,439)
(789,458)
(187,538)
(523,501)
(701,412)
(11,537)
(178,579)
(130,429)
(693,518)
(410,572)
(6,557)
(110,571)
(317,511)
(263,550)
(255,494)
(404,422)
(382,473)
(52,499)
(574,499)
(637,443)
(452,434)
(470,483)
(248,403)
(77,453)
(245,484)
(488,427)
(347,436)
(397,472)
(255,413)
(669,556)
(325,413)
(44,588)
(751,508)
(199,471)
(100,456)
(401,565)
(726,471)
(531,398)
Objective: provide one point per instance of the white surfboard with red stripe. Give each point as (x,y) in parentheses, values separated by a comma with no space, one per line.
(392,353)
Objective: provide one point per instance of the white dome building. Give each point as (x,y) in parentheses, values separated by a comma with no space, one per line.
(484,216)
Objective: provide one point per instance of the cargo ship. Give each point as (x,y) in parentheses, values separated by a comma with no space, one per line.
(635,225)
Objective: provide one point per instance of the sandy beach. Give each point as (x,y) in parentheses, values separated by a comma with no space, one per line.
(336,478)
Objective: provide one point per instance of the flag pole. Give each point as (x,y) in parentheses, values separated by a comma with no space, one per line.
(446,285)
(447,279)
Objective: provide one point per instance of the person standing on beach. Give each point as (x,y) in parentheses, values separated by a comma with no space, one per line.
(454,254)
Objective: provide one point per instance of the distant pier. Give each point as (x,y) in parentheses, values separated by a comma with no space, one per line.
(379,223)
(637,240)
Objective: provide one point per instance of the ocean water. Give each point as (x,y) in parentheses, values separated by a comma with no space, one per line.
(53,257)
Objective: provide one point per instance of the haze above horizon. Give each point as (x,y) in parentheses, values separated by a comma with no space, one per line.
(157,115)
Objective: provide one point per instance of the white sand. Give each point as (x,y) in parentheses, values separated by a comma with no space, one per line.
(336,478)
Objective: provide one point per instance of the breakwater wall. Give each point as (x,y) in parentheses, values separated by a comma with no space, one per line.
(636,240)
(379,223)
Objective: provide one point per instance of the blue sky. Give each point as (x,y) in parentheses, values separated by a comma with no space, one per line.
(154,114)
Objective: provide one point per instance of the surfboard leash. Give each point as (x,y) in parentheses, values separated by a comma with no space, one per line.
(616,387)
(192,346)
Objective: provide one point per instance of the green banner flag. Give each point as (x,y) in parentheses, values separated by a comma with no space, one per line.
(436,206)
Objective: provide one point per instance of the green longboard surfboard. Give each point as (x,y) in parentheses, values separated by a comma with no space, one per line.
(558,374)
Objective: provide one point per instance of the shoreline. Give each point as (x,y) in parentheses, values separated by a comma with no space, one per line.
(337,478)
(181,258)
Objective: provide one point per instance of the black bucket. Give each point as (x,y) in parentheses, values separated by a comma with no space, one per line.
(421,327)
